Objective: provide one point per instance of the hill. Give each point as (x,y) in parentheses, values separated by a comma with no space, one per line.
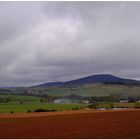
(50,84)
(101,78)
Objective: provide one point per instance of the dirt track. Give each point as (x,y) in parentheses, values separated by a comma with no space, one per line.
(80,124)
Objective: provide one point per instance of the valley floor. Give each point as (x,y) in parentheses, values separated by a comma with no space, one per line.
(72,124)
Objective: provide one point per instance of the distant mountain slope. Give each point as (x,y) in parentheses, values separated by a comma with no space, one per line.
(101,78)
(50,84)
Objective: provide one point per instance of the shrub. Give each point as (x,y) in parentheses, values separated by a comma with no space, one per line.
(44,110)
(76,108)
(111,105)
(29,111)
(21,102)
(12,112)
(137,104)
(93,105)
(40,110)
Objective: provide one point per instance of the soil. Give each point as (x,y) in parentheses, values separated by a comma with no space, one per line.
(72,124)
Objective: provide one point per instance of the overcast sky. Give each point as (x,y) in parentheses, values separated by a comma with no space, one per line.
(59,41)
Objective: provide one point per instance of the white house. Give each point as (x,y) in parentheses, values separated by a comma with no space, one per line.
(124,101)
(62,101)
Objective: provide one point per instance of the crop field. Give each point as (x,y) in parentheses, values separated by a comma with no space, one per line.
(117,105)
(24,103)
(96,90)
(76,124)
(16,107)
(20,103)
(23,98)
(123,105)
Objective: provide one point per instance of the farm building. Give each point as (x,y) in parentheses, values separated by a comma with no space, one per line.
(124,101)
(85,102)
(62,101)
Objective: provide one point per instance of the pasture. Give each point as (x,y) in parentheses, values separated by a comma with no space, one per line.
(16,107)
(20,98)
(95,90)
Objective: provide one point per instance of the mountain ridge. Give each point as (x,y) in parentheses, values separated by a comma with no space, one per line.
(98,78)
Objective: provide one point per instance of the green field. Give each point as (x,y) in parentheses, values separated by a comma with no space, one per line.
(23,103)
(117,105)
(95,90)
(8,107)
(31,103)
(23,98)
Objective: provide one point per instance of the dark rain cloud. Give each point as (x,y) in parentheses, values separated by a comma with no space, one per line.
(59,41)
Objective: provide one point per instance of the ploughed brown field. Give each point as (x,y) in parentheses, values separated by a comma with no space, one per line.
(73,124)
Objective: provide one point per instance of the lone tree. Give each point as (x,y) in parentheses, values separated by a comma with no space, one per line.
(111,105)
(93,105)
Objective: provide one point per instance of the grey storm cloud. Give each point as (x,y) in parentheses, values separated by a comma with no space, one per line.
(60,41)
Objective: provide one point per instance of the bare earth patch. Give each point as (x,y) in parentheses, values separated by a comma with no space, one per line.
(72,124)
